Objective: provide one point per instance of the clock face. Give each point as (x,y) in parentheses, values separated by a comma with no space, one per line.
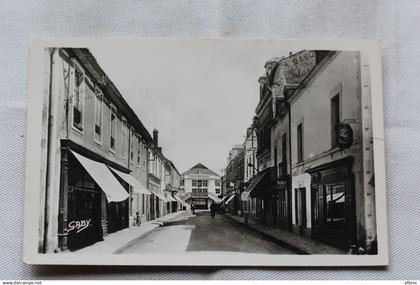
(344,135)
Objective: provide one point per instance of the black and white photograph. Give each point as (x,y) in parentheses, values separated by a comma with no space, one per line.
(205,152)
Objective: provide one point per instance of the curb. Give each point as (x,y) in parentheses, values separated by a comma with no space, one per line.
(282,243)
(134,240)
(143,235)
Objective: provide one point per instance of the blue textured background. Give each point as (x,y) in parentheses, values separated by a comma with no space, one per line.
(393,23)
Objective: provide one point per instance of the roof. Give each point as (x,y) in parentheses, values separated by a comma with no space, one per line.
(200,169)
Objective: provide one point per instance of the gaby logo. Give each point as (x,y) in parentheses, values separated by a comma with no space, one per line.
(78,225)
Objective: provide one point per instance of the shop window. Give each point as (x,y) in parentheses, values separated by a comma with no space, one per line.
(300,143)
(335,118)
(98,117)
(335,198)
(77,98)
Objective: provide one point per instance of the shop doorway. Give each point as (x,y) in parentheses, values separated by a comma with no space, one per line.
(300,206)
(83,208)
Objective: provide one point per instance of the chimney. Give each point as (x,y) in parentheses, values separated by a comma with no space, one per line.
(155,138)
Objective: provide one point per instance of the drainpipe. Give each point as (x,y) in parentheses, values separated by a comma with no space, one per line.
(289,197)
(47,171)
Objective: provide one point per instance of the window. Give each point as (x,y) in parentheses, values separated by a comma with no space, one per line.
(217,191)
(77,99)
(204,183)
(283,163)
(113,129)
(132,141)
(335,118)
(300,142)
(194,183)
(284,149)
(138,150)
(124,134)
(276,160)
(182,182)
(98,117)
(217,183)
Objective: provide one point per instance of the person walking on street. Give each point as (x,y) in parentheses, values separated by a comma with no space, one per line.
(213,209)
(193,208)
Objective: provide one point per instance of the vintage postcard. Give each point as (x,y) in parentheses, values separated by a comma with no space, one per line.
(208,152)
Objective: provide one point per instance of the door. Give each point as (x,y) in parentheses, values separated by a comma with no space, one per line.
(300,206)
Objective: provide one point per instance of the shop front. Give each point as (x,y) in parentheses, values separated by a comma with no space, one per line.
(93,202)
(333,203)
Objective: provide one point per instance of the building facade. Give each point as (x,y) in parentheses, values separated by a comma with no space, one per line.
(331,153)
(315,158)
(93,148)
(95,156)
(201,186)
(250,170)
(234,180)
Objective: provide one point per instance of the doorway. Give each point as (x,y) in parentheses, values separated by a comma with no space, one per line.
(300,206)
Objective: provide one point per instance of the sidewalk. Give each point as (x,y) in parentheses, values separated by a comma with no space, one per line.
(118,241)
(296,243)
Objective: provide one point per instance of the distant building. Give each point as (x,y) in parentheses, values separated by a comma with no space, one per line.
(250,170)
(201,186)
(234,181)
(234,151)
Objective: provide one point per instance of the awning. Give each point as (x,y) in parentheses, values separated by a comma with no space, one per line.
(178,199)
(224,198)
(256,183)
(161,196)
(230,199)
(113,189)
(137,186)
(214,198)
(170,198)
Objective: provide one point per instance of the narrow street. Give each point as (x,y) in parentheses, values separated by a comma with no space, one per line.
(189,233)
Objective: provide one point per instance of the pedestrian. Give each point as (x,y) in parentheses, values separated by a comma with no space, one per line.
(213,209)
(193,208)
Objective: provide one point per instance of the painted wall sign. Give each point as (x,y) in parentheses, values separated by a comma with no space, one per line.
(298,66)
(293,70)
(78,225)
(301,170)
(344,135)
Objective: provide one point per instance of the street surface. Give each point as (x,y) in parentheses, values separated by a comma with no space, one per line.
(188,233)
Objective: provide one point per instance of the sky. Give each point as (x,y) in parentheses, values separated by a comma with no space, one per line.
(200,94)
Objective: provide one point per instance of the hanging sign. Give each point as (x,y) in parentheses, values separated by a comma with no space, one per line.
(344,135)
